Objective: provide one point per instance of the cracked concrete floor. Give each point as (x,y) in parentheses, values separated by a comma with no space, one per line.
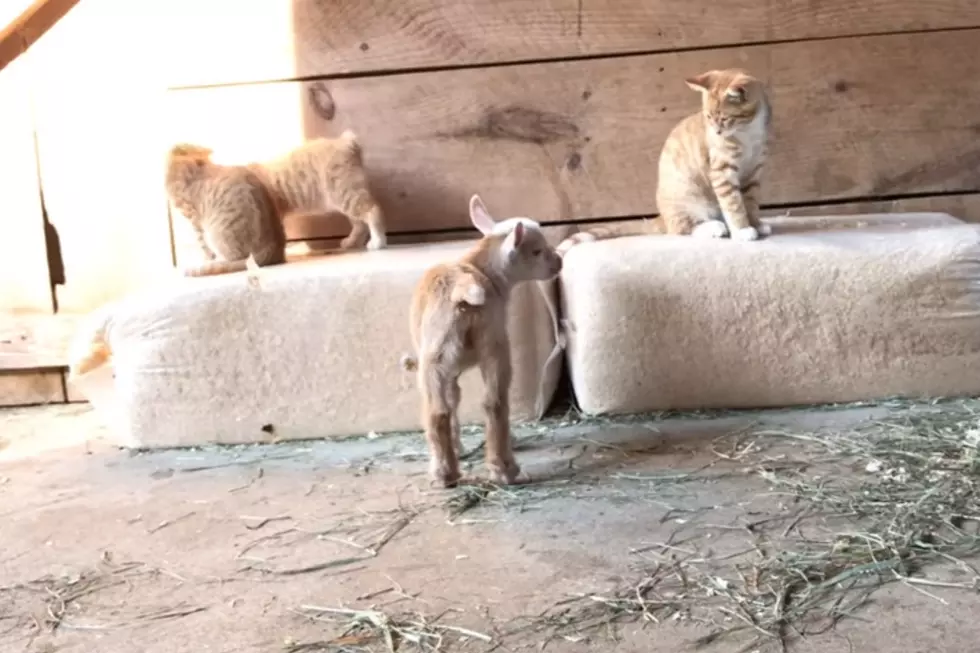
(223,550)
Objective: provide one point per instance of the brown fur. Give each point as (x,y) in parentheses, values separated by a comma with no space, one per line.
(89,347)
(232,212)
(458,320)
(327,175)
(711,164)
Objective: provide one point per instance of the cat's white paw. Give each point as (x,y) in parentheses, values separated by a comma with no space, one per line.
(765,230)
(746,233)
(376,243)
(710,229)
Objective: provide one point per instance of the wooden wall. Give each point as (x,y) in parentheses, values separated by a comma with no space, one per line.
(558,110)
(551,109)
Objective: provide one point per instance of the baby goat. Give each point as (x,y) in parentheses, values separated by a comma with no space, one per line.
(458,320)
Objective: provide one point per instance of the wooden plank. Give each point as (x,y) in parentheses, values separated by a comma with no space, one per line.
(30,388)
(963,207)
(856,118)
(21,30)
(72,394)
(35,341)
(98,92)
(306,38)
(26,282)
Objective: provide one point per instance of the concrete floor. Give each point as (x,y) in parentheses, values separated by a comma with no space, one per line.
(219,550)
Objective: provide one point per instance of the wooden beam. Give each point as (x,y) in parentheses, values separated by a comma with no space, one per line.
(963,207)
(580,140)
(34,341)
(307,38)
(31,388)
(29,26)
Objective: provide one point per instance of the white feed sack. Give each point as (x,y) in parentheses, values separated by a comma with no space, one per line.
(309,349)
(832,309)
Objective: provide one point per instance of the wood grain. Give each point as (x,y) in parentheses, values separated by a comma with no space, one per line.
(20,31)
(30,388)
(33,341)
(25,282)
(963,207)
(98,89)
(72,394)
(305,38)
(855,118)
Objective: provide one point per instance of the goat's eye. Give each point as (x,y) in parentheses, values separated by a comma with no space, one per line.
(536,252)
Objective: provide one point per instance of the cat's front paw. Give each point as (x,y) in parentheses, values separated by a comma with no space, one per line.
(745,233)
(710,229)
(764,229)
(376,243)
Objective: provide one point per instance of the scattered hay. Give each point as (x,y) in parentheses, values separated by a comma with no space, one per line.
(876,504)
(361,530)
(362,628)
(518,498)
(53,602)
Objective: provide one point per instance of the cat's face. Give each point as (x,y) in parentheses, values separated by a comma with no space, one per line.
(730,99)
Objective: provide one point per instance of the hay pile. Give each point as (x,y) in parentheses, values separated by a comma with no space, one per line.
(878,503)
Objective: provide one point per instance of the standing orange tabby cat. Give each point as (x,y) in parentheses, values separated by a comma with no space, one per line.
(232,212)
(324,175)
(711,164)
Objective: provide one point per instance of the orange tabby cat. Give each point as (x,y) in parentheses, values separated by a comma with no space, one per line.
(711,164)
(326,175)
(232,212)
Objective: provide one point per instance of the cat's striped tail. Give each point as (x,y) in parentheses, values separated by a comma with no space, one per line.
(210,268)
(636,228)
(89,348)
(349,139)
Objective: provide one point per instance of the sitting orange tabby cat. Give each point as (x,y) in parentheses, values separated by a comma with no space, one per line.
(232,212)
(325,175)
(711,164)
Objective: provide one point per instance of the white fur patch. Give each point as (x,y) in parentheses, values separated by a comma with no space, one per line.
(747,233)
(475,295)
(710,229)
(506,226)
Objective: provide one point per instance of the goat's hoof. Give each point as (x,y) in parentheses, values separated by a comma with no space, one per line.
(508,474)
(445,478)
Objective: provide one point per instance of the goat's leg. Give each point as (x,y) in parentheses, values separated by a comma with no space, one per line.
(496,372)
(439,406)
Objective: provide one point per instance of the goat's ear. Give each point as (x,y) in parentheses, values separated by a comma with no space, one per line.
(480,217)
(514,240)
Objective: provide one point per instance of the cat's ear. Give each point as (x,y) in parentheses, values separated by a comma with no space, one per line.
(514,240)
(480,216)
(702,82)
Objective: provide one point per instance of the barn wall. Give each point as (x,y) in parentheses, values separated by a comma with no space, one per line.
(555,110)
(558,110)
